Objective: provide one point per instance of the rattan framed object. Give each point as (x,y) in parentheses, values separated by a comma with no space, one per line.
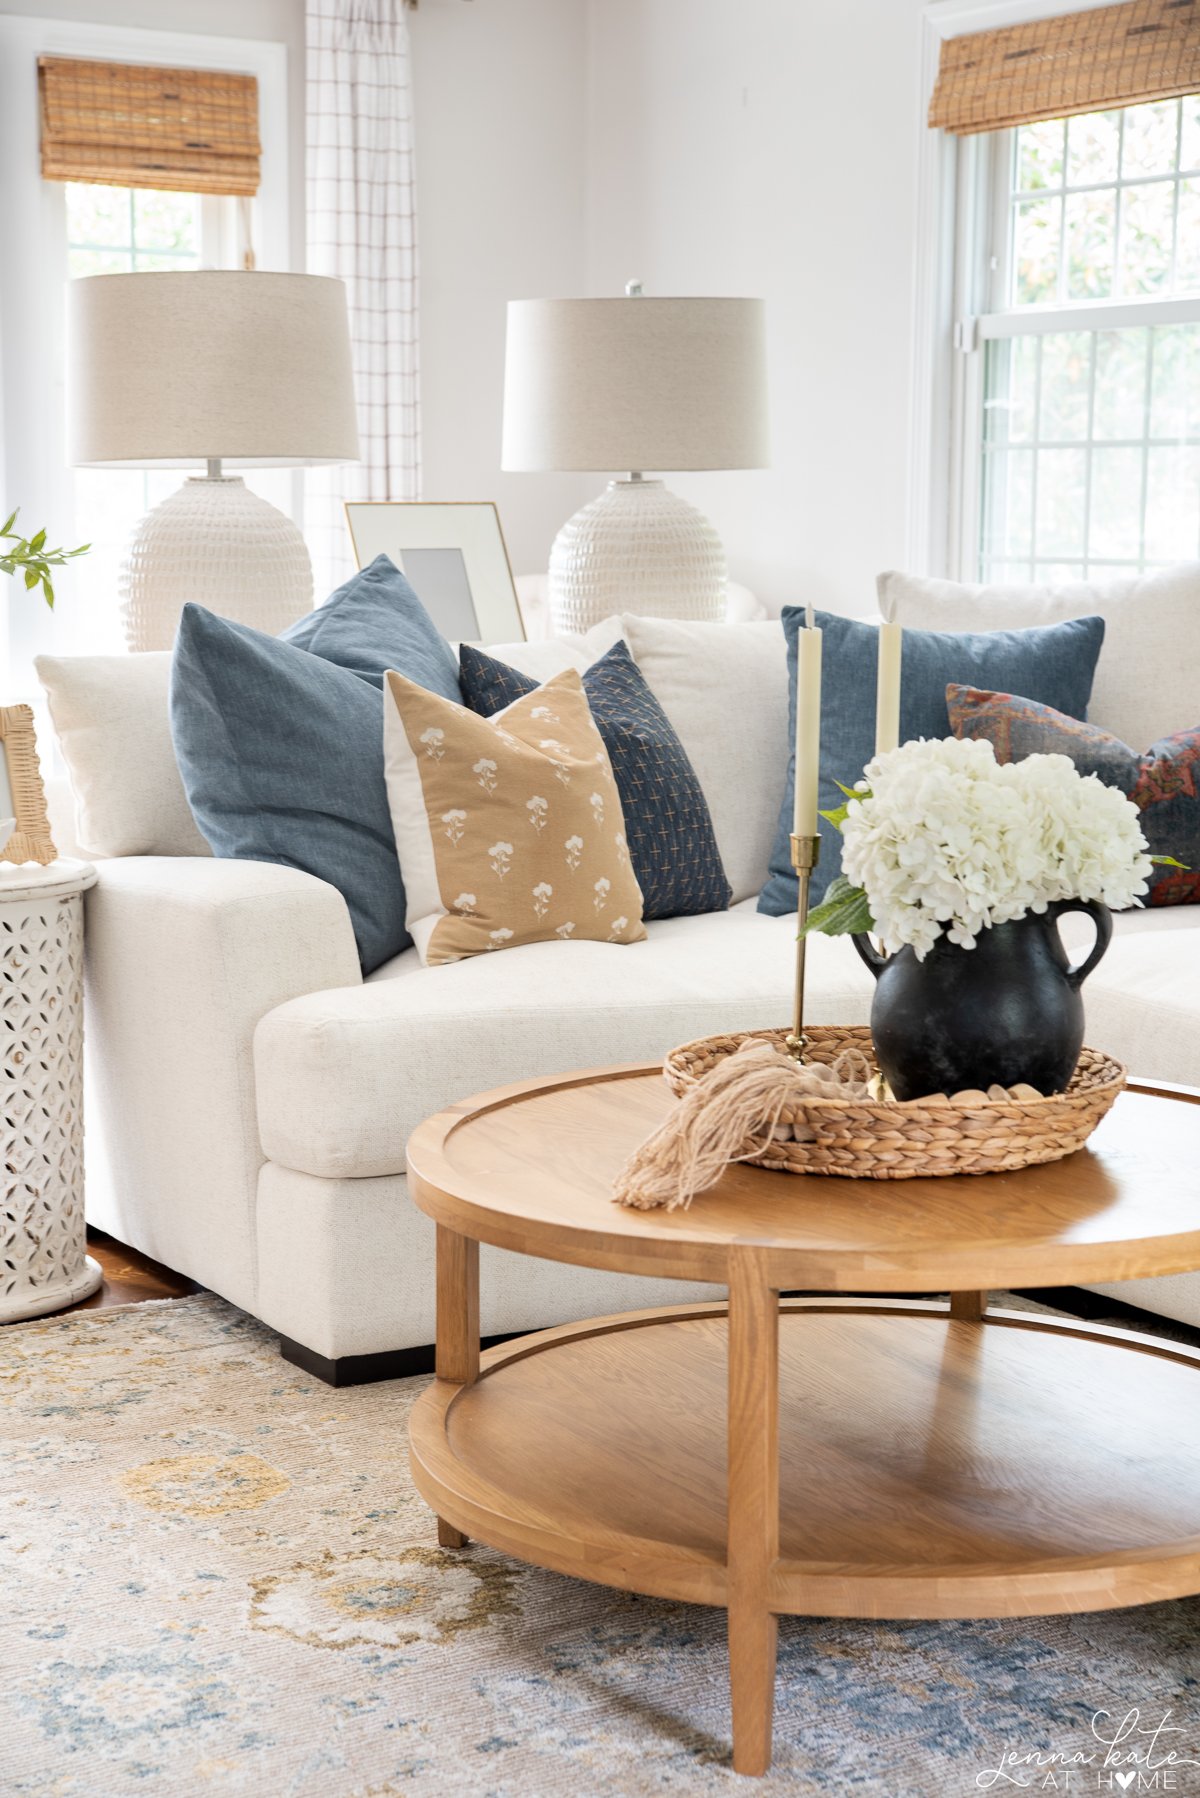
(1108,56)
(31,840)
(140,125)
(882,1139)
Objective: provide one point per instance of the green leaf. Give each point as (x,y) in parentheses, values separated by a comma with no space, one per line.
(48,592)
(38,542)
(9,523)
(31,577)
(853,792)
(837,817)
(845,911)
(1168,861)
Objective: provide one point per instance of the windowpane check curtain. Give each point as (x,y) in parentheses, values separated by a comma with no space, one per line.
(362,228)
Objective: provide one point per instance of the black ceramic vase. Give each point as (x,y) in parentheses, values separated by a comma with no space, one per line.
(1005,1012)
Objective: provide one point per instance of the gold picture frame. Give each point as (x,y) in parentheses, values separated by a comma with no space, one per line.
(25,798)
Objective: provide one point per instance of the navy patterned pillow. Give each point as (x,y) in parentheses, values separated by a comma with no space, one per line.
(671,842)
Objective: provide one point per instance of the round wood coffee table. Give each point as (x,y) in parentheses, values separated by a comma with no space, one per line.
(833,1457)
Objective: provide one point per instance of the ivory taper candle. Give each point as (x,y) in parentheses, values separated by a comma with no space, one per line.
(808,728)
(887,691)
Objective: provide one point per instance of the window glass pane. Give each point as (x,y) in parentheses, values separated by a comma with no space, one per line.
(1066,385)
(1175,383)
(1056,572)
(1093,145)
(1059,502)
(1147,229)
(1011,390)
(1008,504)
(97,215)
(1151,139)
(1091,232)
(1116,509)
(98,262)
(1120,406)
(167,221)
(1040,155)
(1037,229)
(1173,505)
(1189,144)
(1187,255)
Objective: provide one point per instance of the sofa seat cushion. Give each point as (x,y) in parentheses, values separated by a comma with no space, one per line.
(344,1076)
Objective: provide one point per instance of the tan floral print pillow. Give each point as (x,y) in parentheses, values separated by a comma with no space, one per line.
(509,829)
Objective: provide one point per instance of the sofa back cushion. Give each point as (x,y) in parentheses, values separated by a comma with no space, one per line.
(724,689)
(1146,682)
(111,718)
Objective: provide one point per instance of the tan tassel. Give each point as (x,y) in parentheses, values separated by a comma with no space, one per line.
(726,1117)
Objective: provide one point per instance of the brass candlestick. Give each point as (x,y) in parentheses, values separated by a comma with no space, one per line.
(806,853)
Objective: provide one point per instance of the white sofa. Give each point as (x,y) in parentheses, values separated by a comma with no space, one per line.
(250,1095)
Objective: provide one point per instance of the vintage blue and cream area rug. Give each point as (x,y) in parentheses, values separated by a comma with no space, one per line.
(215,1577)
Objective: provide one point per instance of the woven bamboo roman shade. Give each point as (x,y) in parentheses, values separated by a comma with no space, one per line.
(132,125)
(1083,62)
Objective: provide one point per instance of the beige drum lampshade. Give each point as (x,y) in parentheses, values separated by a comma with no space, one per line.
(218,367)
(635,383)
(167,370)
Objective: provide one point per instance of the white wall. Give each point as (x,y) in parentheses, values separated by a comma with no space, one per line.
(499,90)
(769,147)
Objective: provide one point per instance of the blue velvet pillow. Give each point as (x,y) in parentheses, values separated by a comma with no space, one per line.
(671,843)
(375,622)
(1053,664)
(281,751)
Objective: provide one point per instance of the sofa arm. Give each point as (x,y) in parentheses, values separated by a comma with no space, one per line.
(183,957)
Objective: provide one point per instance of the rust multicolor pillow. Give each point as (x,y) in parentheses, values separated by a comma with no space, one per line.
(1164,783)
(509,829)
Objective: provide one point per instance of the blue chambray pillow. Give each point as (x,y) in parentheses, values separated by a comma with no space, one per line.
(671,842)
(374,622)
(281,747)
(1053,664)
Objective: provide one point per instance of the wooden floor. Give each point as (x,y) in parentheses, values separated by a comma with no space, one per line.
(130,1278)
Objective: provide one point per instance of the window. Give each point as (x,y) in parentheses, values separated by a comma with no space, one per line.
(1080,385)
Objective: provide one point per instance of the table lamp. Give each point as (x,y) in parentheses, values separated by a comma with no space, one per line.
(212,366)
(635,383)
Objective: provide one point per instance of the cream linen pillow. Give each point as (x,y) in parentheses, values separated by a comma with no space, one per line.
(509,829)
(1146,680)
(113,724)
(724,688)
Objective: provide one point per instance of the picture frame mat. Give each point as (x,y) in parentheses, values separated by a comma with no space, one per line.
(471,527)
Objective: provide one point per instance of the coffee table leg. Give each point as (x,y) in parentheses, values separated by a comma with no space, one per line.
(457,1354)
(968,1307)
(753,1544)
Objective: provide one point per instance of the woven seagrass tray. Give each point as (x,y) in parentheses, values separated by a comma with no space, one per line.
(886,1140)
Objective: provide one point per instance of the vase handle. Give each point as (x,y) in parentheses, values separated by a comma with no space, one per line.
(1102,918)
(869,953)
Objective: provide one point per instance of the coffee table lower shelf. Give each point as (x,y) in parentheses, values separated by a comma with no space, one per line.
(928,1468)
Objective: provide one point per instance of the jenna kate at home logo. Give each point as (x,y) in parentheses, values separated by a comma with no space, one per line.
(1138,1752)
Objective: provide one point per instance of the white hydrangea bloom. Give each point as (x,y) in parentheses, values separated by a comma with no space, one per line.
(948,838)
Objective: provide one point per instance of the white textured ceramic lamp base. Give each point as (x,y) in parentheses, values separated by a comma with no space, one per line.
(637,548)
(218,545)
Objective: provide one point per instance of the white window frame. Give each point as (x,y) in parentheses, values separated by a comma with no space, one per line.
(33,468)
(959,202)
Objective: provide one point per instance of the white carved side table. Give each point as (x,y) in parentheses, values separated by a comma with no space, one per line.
(44,1263)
